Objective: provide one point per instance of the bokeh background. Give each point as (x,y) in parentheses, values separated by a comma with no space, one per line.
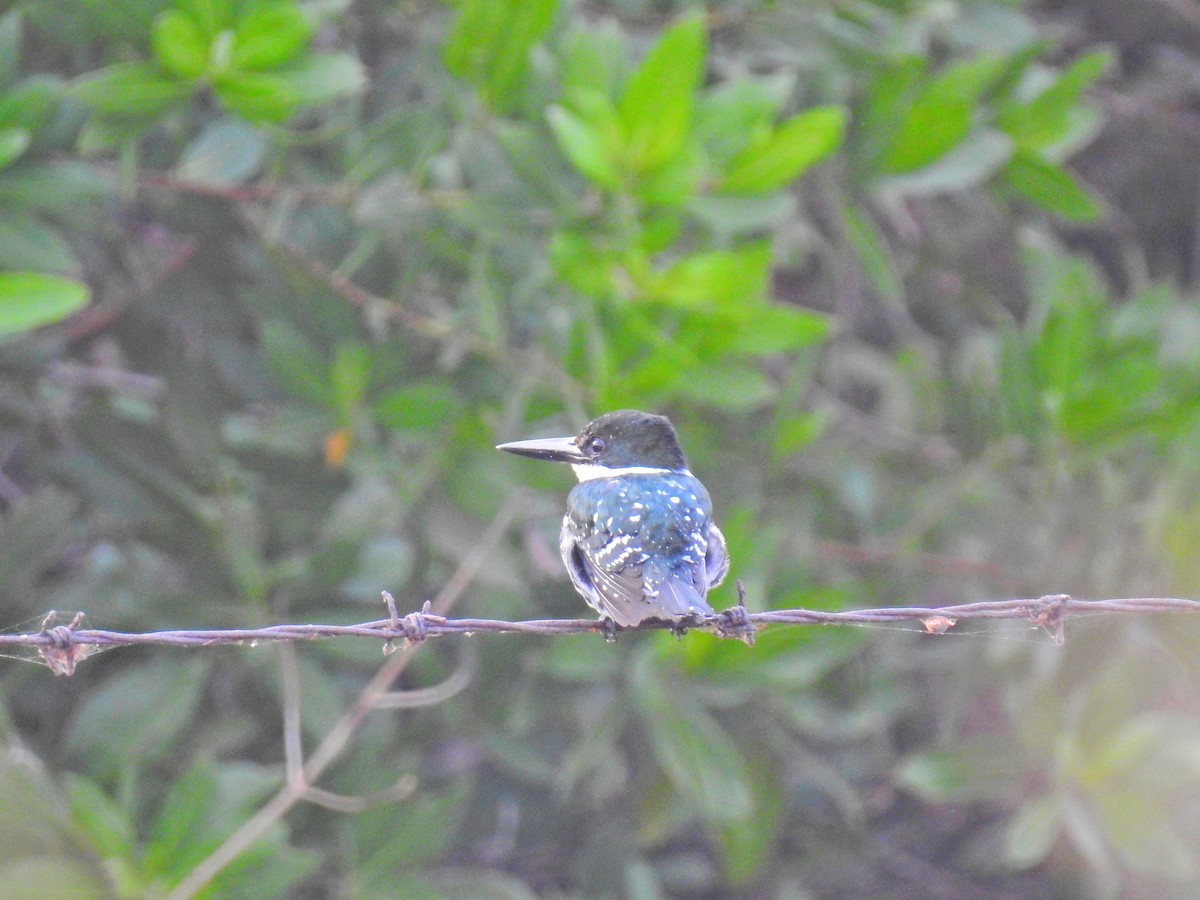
(915,279)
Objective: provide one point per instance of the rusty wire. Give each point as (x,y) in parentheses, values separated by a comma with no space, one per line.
(63,645)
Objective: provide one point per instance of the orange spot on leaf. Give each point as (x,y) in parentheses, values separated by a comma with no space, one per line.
(337,447)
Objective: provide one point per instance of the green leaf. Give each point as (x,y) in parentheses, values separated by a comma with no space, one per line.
(528,21)
(734,214)
(1078,76)
(111,729)
(656,107)
(131,91)
(873,253)
(716,277)
(659,376)
(974,77)
(269,35)
(489,45)
(1032,832)
(882,112)
(30,804)
(179,833)
(13,142)
(349,376)
(984,768)
(659,232)
(471,39)
(180,45)
(426,404)
(737,387)
(26,242)
(584,145)
(535,160)
(776,328)
(594,59)
(34,534)
(106,825)
(732,115)
(697,755)
(1018,60)
(675,182)
(1051,187)
(933,125)
(410,842)
(30,299)
(59,187)
(320,78)
(941,114)
(976,159)
(794,435)
(227,152)
(213,16)
(1145,837)
(271,868)
(1048,117)
(747,844)
(257,97)
(578,262)
(795,146)
(296,363)
(30,104)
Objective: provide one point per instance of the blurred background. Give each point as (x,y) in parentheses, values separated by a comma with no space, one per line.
(916,281)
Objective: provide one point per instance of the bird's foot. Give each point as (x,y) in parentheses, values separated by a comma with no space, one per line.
(609,629)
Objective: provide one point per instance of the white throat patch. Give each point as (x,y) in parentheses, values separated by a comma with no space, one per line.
(588,472)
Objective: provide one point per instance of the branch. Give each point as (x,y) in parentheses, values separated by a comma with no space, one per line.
(62,646)
(302,775)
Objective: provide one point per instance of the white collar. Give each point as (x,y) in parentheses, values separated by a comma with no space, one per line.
(588,472)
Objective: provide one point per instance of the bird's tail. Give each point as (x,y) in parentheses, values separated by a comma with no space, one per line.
(678,598)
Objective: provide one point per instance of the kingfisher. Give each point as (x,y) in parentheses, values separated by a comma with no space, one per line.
(638,538)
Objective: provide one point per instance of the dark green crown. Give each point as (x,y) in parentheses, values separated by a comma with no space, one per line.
(628,437)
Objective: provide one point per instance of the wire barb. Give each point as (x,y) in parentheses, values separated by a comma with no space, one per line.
(735,621)
(62,652)
(415,628)
(1048,613)
(63,646)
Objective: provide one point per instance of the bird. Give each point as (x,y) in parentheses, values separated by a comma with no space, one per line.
(638,538)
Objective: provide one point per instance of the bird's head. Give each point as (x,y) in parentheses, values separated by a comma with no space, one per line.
(623,440)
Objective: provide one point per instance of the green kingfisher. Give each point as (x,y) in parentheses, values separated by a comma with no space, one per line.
(638,539)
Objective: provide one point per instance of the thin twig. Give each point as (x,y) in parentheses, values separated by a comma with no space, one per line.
(289,693)
(300,785)
(105,378)
(344,803)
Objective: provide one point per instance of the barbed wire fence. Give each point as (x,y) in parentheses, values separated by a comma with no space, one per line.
(63,645)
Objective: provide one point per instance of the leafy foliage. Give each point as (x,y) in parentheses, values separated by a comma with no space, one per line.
(339,251)
(251,54)
(34,258)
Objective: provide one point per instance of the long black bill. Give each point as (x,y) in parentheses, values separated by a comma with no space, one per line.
(551,449)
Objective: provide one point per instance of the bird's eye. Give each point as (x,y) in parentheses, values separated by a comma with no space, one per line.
(596,446)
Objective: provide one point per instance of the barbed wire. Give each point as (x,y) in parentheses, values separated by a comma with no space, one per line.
(62,646)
